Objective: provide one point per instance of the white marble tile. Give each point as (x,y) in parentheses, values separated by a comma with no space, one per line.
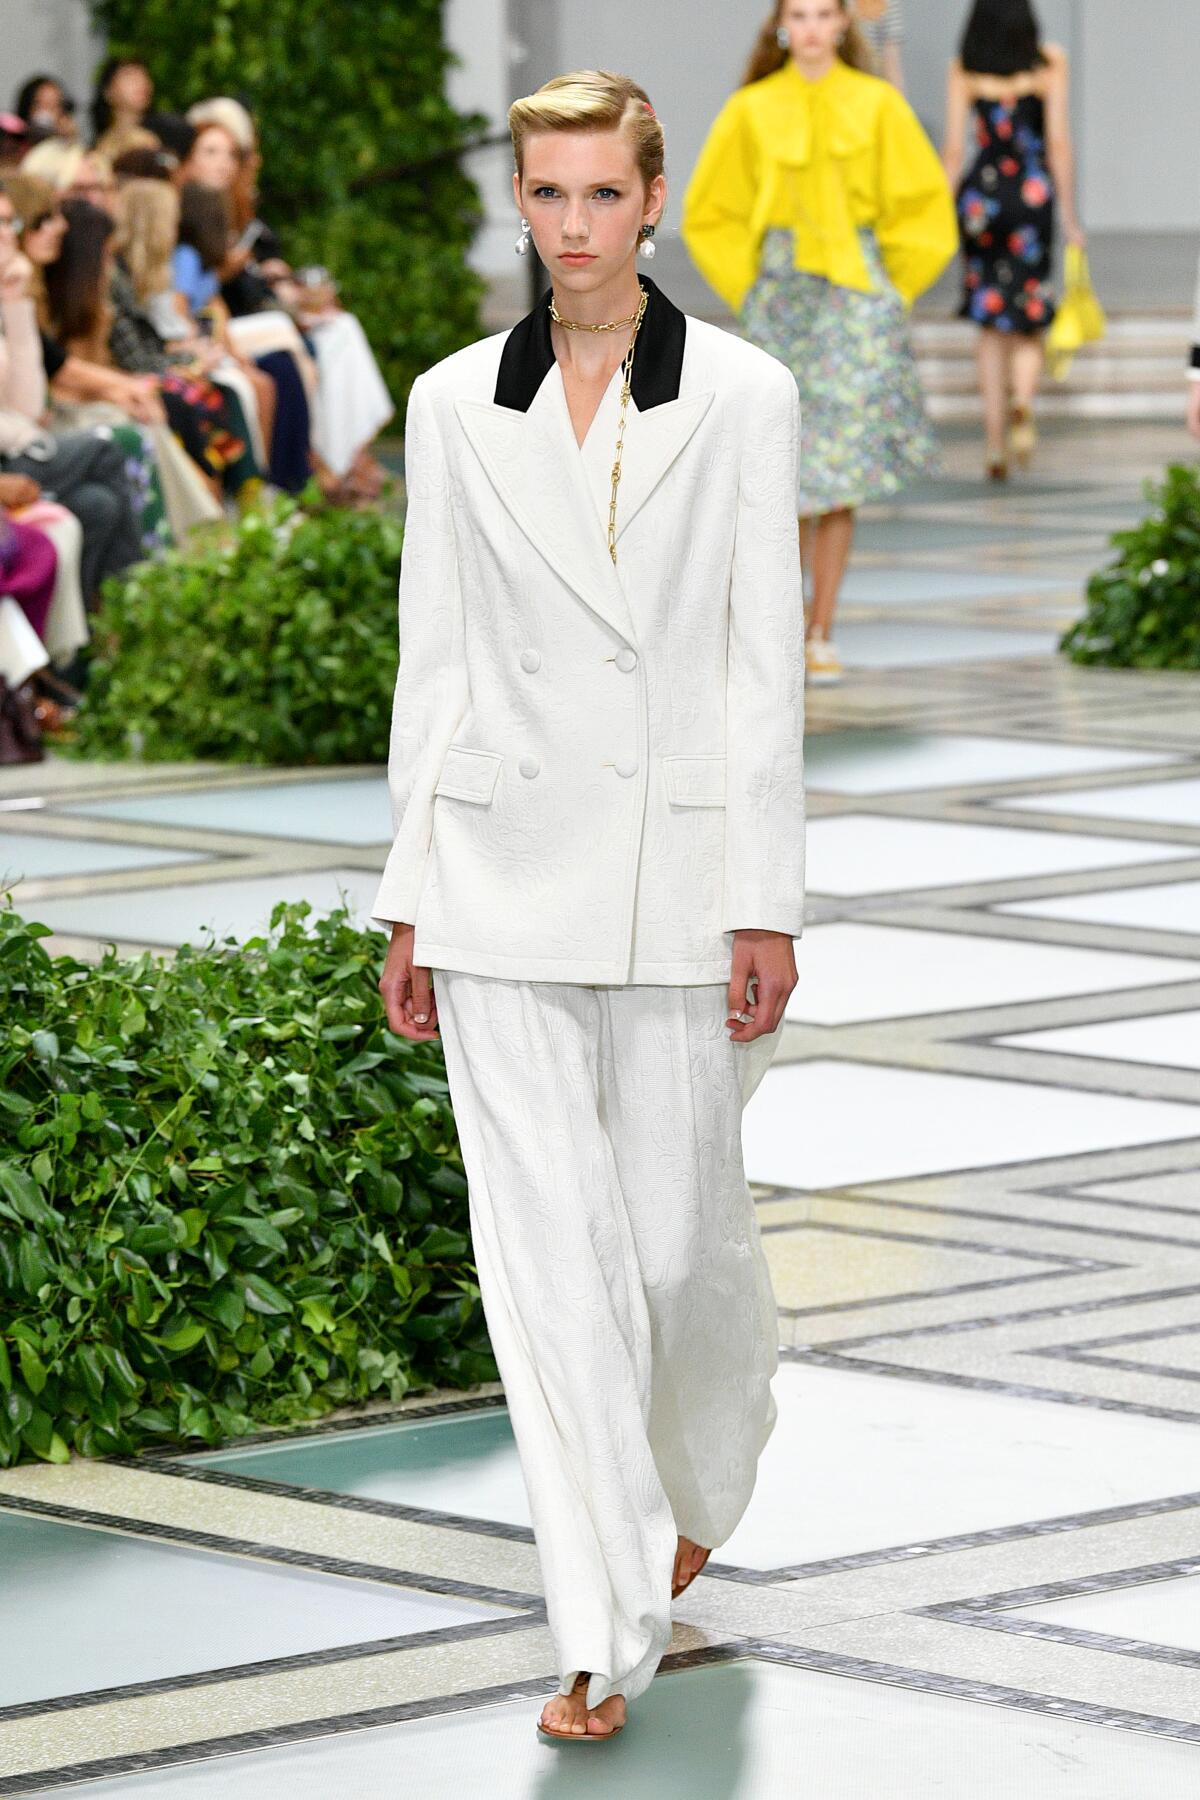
(857,1462)
(186,913)
(1152,803)
(889,762)
(352,811)
(742,1731)
(87,1609)
(1169,1039)
(862,1462)
(1170,906)
(32,856)
(917,587)
(874,854)
(850,972)
(902,644)
(1158,1612)
(836,1124)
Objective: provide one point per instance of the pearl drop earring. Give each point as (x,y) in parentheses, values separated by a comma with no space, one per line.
(783,38)
(646,245)
(526,238)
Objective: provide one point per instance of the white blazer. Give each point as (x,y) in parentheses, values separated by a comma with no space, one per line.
(597,771)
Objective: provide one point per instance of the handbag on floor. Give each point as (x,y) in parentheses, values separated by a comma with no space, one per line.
(20,733)
(1080,317)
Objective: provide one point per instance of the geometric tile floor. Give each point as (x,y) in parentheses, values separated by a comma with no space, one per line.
(972,1563)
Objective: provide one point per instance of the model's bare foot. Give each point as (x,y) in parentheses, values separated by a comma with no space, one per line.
(690,1558)
(566,1715)
(608,1717)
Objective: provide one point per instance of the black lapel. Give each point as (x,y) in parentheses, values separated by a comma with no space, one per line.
(528,355)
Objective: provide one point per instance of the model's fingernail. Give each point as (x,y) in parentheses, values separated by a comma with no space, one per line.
(421,1018)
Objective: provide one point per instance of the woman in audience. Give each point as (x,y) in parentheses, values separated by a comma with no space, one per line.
(45,106)
(84,393)
(84,470)
(124,94)
(73,172)
(353,404)
(268,338)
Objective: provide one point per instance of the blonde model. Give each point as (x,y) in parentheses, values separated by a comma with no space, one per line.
(598,868)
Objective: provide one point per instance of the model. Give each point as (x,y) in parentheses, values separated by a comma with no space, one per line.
(818,212)
(1018,92)
(597,782)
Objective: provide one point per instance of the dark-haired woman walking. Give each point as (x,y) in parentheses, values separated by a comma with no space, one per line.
(1017,89)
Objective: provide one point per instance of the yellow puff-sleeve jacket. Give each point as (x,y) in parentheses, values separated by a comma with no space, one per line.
(823,159)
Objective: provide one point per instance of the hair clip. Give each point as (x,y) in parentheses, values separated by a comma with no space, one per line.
(649,109)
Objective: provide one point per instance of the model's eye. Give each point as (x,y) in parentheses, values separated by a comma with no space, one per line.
(607,194)
(544,193)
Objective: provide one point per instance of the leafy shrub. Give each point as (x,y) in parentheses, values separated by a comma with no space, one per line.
(273,643)
(359,146)
(229,1197)
(1143,611)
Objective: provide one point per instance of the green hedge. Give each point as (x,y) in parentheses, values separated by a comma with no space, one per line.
(358,140)
(273,642)
(229,1197)
(1143,610)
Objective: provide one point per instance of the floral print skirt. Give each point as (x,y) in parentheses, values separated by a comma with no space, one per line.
(865,434)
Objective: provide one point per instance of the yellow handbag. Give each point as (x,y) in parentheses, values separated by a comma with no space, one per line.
(1080,317)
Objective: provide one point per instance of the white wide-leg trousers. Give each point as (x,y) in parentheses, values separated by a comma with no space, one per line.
(624,1283)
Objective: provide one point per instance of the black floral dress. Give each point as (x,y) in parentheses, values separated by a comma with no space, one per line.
(1006,218)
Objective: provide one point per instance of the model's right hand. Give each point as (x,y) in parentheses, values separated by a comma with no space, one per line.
(408,992)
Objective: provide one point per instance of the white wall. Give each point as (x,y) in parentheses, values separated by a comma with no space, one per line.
(50,36)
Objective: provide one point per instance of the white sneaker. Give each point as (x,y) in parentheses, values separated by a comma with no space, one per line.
(823,665)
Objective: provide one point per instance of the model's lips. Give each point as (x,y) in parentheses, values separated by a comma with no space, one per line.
(577,256)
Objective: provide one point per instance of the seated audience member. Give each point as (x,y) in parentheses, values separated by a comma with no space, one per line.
(268,337)
(124,94)
(73,172)
(352,402)
(97,314)
(46,106)
(84,470)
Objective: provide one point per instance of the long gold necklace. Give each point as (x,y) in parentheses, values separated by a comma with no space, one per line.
(626,384)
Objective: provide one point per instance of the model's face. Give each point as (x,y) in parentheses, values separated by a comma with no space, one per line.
(44,233)
(213,160)
(586,203)
(130,90)
(814,28)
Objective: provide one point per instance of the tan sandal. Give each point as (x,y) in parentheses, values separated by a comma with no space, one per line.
(579,1737)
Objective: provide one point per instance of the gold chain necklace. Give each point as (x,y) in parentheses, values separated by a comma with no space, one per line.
(626,380)
(611,325)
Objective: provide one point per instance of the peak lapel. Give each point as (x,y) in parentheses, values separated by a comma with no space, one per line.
(533,462)
(653,441)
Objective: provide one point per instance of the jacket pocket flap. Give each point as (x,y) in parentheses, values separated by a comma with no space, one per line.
(695,780)
(469,775)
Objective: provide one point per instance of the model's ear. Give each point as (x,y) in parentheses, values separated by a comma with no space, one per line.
(517,189)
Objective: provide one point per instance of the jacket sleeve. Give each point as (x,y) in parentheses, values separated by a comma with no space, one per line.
(764,718)
(431,684)
(719,206)
(917,229)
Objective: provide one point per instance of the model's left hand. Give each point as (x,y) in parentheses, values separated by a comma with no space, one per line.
(767,959)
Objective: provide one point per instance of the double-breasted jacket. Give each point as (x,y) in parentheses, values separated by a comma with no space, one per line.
(597,770)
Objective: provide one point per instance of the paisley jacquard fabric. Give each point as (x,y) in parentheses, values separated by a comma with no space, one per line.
(626,1292)
(865,434)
